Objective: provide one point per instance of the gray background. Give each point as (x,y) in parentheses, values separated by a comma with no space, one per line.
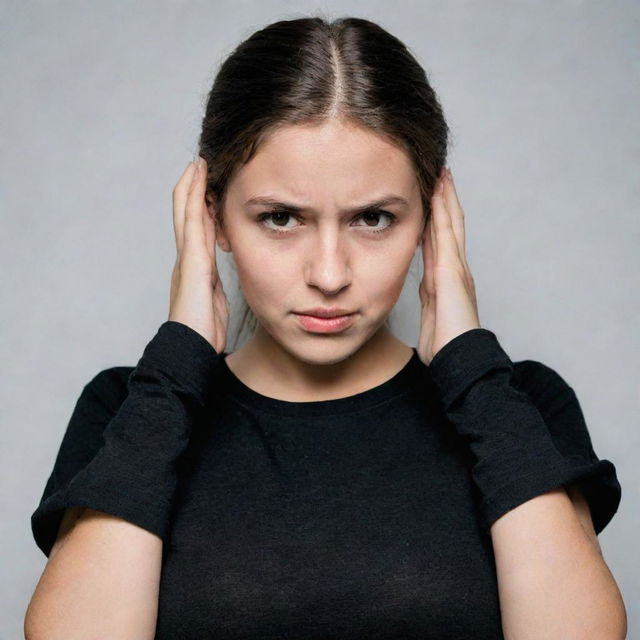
(101,104)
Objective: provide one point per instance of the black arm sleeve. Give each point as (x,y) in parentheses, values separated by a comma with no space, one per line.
(522,447)
(119,452)
(562,413)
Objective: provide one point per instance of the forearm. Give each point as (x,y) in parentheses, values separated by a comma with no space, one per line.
(552,579)
(102,581)
(103,573)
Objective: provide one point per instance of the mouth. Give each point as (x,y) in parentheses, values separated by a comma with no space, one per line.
(325,312)
(328,324)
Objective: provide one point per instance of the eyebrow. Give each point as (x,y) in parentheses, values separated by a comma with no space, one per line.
(288,206)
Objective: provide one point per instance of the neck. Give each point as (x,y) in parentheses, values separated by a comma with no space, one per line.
(266,366)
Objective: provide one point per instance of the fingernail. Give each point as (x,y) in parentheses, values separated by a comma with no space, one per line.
(449,174)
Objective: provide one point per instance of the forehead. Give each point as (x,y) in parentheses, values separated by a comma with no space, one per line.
(335,160)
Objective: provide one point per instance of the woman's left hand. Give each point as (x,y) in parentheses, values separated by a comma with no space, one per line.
(447,291)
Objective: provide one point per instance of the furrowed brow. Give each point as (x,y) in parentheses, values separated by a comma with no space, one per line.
(293,208)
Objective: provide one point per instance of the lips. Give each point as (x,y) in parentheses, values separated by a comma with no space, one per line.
(326,312)
(331,324)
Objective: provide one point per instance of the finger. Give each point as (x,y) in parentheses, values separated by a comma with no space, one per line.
(194,242)
(432,235)
(430,263)
(457,215)
(179,196)
(457,219)
(221,306)
(221,310)
(209,232)
(446,253)
(427,321)
(428,259)
(423,287)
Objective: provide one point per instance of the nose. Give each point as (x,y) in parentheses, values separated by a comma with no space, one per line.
(328,263)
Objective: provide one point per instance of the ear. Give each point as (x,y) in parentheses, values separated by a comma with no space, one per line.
(221,237)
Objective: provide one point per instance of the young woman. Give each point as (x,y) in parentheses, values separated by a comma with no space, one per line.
(325,479)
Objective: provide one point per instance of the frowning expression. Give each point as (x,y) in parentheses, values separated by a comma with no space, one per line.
(323,216)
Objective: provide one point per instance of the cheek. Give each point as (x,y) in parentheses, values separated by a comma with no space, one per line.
(386,288)
(267,277)
(383,279)
(263,279)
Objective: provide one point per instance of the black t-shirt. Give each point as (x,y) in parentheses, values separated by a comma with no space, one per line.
(363,516)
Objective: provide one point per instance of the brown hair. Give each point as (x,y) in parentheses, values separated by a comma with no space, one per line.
(305,71)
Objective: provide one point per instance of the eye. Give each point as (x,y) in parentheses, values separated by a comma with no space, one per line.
(278,216)
(368,216)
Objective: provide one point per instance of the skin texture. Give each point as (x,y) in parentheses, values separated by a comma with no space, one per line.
(327,256)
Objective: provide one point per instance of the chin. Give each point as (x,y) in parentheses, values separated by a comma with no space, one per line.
(321,354)
(325,349)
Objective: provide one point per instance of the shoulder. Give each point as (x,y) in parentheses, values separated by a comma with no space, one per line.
(538,378)
(546,388)
(98,401)
(596,495)
(558,405)
(108,387)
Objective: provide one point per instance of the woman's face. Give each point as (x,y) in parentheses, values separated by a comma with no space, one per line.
(324,253)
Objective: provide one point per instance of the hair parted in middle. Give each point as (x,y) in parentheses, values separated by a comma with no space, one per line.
(306,71)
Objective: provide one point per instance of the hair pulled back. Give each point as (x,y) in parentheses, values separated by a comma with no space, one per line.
(306,71)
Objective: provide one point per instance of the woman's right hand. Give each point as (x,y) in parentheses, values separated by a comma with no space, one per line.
(197,297)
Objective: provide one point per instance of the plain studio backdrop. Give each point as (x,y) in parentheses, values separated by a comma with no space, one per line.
(100,111)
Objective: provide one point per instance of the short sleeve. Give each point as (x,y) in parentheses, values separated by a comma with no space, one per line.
(122,448)
(560,409)
(98,402)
